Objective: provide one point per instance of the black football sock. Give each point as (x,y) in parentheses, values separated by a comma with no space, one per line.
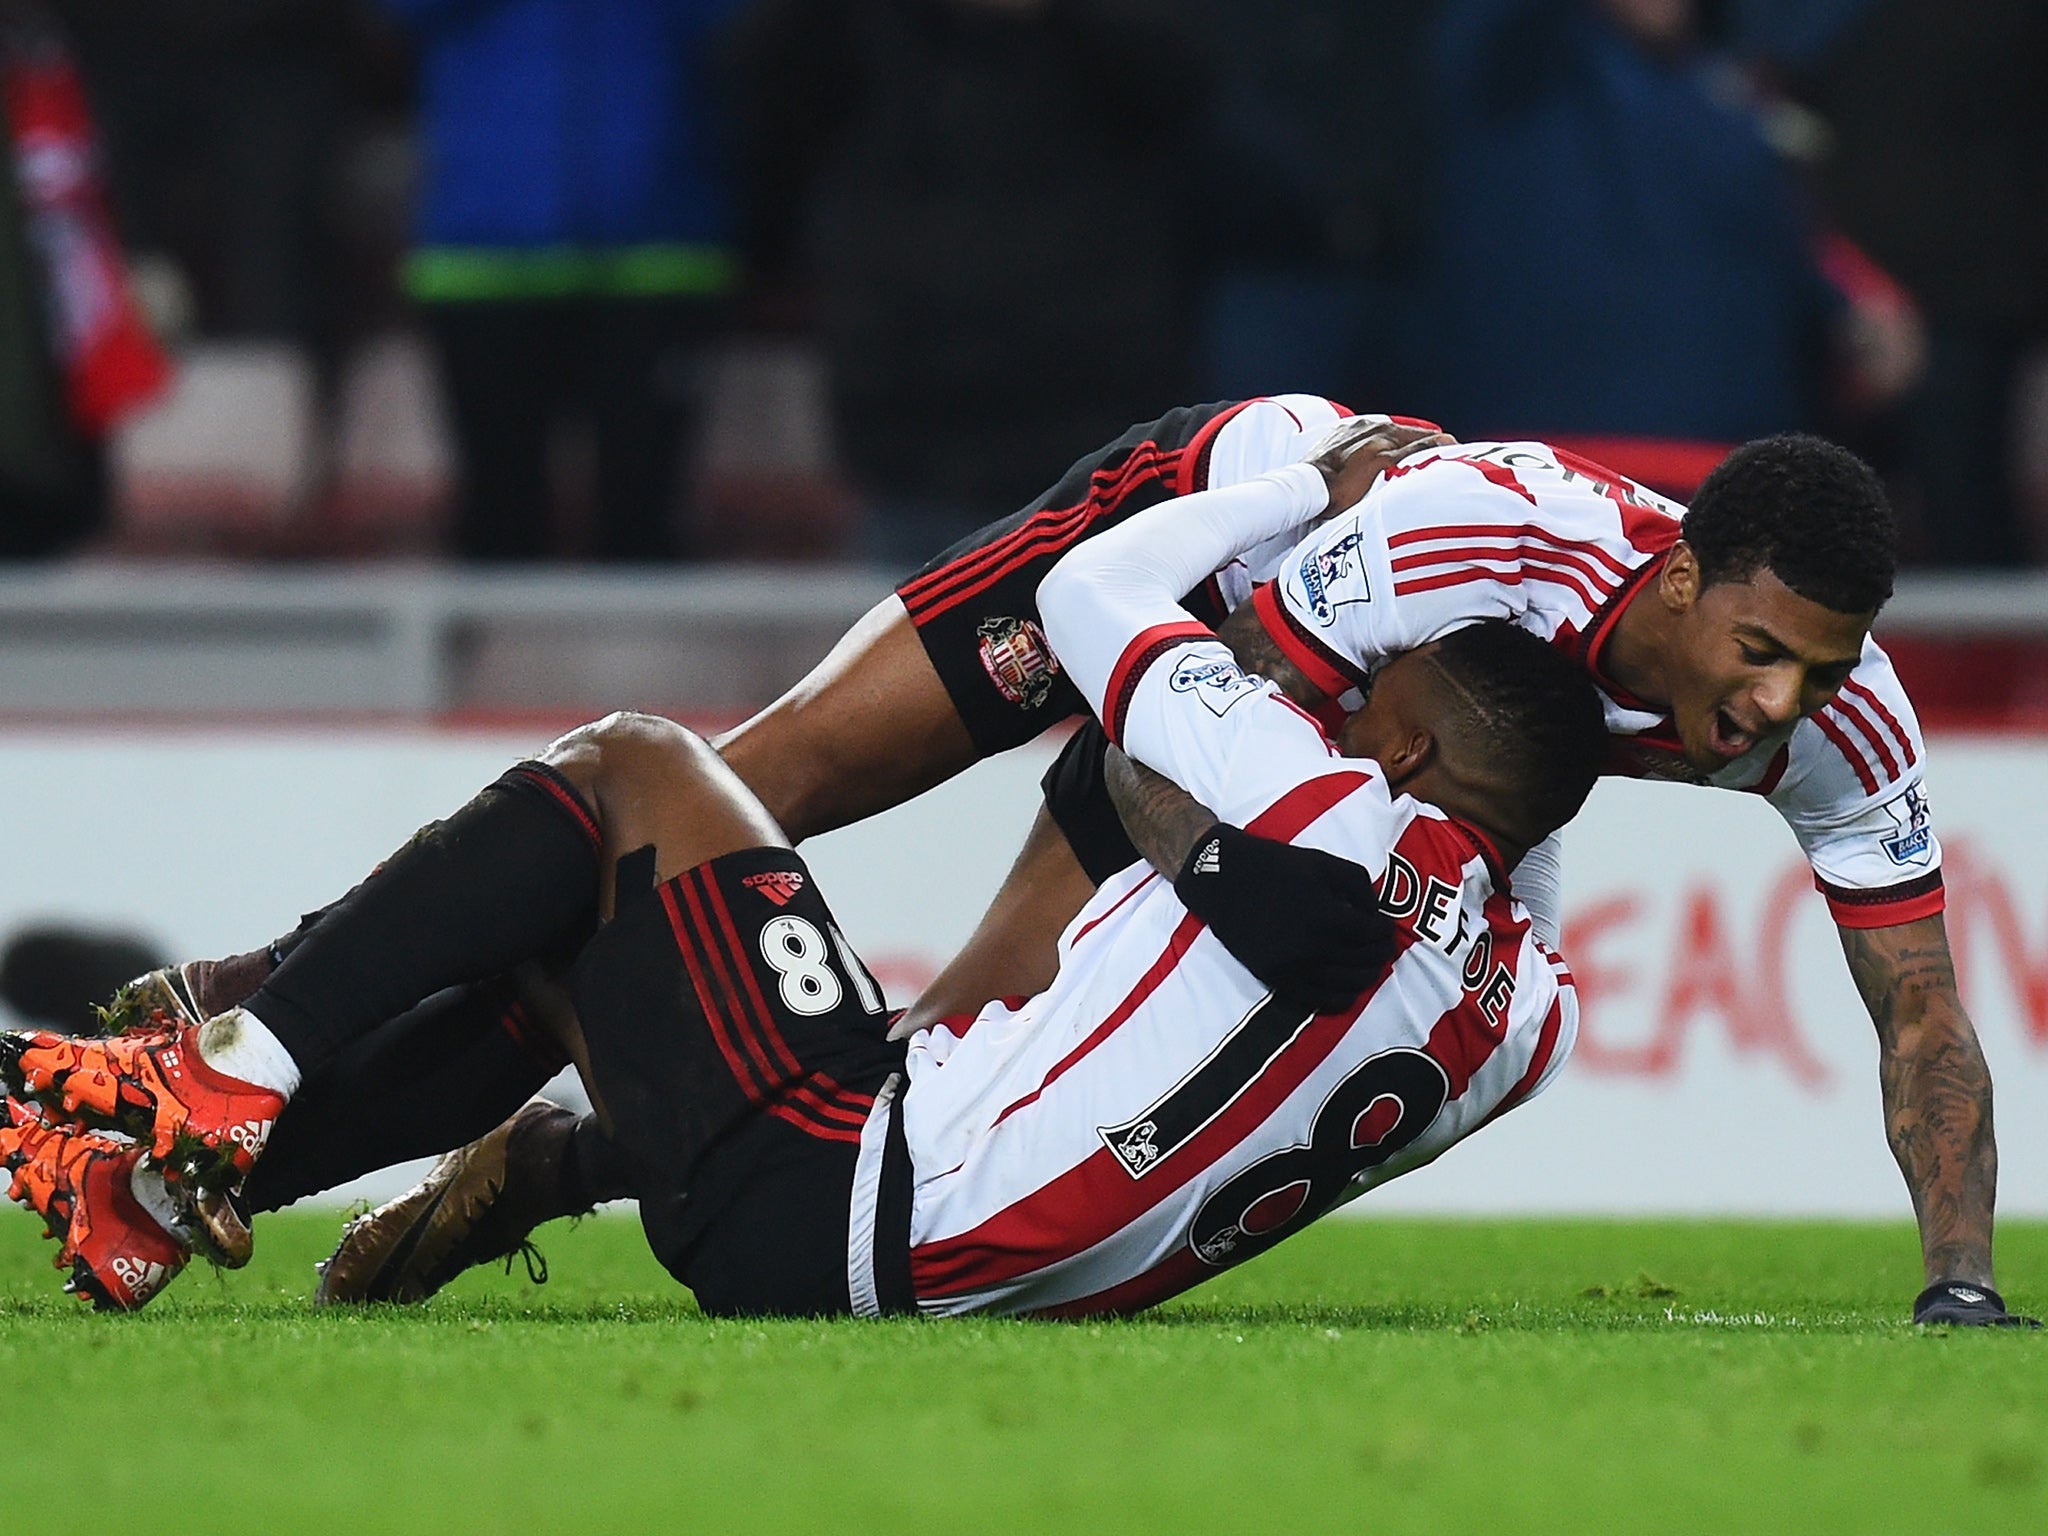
(512,876)
(593,1168)
(433,1079)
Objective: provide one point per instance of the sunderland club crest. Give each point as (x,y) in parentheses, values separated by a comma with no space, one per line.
(1017,660)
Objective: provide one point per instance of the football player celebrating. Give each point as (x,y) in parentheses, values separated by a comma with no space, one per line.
(1153,1116)
(907,697)
(1731,646)
(935,676)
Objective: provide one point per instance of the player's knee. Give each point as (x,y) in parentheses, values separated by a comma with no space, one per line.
(625,754)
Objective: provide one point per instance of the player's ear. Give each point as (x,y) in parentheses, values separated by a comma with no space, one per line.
(1409,756)
(1678,584)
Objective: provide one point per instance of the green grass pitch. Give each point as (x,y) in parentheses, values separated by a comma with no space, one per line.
(1380,1376)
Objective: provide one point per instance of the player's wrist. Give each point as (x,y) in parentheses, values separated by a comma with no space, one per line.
(1203,861)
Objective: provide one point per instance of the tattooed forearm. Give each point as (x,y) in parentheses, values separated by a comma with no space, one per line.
(1163,820)
(1256,651)
(1937,1091)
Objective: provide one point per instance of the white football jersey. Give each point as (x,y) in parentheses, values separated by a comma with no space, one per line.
(1155,1116)
(1559,545)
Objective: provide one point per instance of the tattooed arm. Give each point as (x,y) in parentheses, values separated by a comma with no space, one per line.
(1256,651)
(1937,1091)
(1164,821)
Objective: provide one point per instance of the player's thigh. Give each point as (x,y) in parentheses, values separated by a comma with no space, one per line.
(652,783)
(870,726)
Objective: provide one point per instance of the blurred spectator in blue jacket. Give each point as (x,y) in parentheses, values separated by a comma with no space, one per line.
(1617,250)
(1311,193)
(573,251)
(1939,117)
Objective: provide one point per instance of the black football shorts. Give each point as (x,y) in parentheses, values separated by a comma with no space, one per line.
(976,605)
(739,1047)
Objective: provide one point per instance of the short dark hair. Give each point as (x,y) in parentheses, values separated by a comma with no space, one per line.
(1533,713)
(1812,513)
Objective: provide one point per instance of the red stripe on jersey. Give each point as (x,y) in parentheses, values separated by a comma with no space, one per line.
(1521,533)
(1602,631)
(1852,712)
(1185,932)
(1774,772)
(952,584)
(1285,819)
(568,802)
(1533,566)
(1094,923)
(1178,1271)
(1597,579)
(1326,671)
(1847,748)
(1097,1198)
(1129,671)
(1886,908)
(828,1099)
(1506,579)
(1898,731)
(1291,815)
(1647,529)
(1463,1039)
(1399,421)
(1546,1044)
(735,1061)
(1500,475)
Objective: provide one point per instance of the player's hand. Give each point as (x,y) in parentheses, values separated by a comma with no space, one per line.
(1306,923)
(1359,449)
(1967,1306)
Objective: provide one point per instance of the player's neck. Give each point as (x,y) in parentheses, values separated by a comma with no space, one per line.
(1633,658)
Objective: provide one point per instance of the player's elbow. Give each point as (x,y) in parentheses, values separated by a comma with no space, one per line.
(1063,594)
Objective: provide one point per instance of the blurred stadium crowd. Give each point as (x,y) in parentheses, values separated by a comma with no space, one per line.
(689,279)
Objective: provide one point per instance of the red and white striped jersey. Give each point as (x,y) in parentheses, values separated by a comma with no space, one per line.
(1254,438)
(1154,1116)
(1557,544)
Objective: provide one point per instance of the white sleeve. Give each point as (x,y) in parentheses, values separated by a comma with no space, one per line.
(1164,687)
(1266,434)
(1115,598)
(1855,796)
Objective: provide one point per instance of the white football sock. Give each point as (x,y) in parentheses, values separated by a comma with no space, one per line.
(238,1044)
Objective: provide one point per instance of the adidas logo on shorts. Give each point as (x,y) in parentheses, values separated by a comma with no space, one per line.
(778,885)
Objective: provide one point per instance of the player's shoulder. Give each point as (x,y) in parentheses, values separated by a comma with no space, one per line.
(1863,744)
(1528,486)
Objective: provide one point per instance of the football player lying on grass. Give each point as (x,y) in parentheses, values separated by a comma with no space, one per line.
(1732,649)
(1155,1115)
(926,683)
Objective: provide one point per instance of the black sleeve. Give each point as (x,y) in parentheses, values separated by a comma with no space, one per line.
(1077,796)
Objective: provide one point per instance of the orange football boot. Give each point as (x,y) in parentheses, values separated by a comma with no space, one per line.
(201,1125)
(83,1186)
